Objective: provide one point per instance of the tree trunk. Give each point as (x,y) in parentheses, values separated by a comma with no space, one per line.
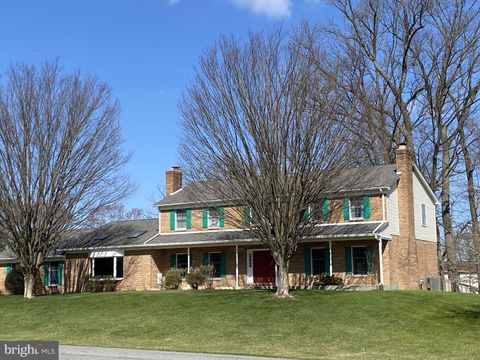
(282,278)
(29,280)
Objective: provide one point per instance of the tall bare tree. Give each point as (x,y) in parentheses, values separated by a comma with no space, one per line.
(252,126)
(60,159)
(115,212)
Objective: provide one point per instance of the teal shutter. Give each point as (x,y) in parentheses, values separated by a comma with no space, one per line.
(60,273)
(327,261)
(9,268)
(246,212)
(306,212)
(325,209)
(366,207)
(206,258)
(173,260)
(348,259)
(204,218)
(346,209)
(172,219)
(221,213)
(369,259)
(189,219)
(45,273)
(308,261)
(223,264)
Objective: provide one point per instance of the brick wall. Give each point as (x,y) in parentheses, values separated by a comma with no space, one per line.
(3,276)
(76,271)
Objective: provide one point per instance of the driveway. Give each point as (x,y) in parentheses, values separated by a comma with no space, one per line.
(68,352)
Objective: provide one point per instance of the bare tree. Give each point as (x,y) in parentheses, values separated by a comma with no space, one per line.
(252,127)
(115,212)
(60,159)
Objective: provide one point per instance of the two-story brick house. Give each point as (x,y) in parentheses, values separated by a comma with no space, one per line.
(382,231)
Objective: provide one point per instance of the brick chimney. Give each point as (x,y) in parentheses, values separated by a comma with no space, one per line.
(173,180)
(406,247)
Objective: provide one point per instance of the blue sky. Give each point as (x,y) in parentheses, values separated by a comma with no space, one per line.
(145,50)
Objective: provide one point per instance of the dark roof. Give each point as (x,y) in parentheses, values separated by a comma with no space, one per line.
(115,233)
(228,236)
(353,179)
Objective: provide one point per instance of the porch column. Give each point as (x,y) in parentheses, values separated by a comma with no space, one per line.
(236,266)
(380,260)
(330,256)
(189,259)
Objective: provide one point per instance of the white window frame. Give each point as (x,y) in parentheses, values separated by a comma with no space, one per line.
(351,212)
(114,277)
(49,273)
(423,212)
(210,217)
(176,220)
(351,257)
(311,259)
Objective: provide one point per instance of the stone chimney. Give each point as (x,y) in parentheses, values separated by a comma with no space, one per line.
(173,180)
(406,247)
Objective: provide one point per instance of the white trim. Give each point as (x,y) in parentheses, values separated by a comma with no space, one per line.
(114,275)
(176,223)
(380,260)
(350,209)
(249,266)
(330,256)
(189,260)
(383,207)
(106,254)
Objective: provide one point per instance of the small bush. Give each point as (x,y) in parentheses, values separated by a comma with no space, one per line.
(173,279)
(200,276)
(101,284)
(323,280)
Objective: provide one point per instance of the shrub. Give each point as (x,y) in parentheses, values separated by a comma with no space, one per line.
(173,279)
(101,284)
(200,276)
(323,280)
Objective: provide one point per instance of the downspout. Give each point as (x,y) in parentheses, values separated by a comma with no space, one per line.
(189,258)
(330,256)
(380,259)
(236,266)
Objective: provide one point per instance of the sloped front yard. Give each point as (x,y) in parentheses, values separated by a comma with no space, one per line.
(409,325)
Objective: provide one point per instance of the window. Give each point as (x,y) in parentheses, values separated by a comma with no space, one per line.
(214,217)
(359,260)
(182,261)
(356,208)
(215,260)
(108,267)
(53,273)
(424,215)
(181,219)
(318,261)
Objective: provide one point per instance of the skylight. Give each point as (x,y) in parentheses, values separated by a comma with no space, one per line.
(101,236)
(136,234)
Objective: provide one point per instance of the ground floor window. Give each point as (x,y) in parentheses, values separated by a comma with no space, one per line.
(108,267)
(182,261)
(318,261)
(359,260)
(52,273)
(215,261)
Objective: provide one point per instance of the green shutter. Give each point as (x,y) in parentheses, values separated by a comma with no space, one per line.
(306,212)
(223,264)
(9,268)
(325,209)
(346,209)
(348,259)
(60,273)
(366,207)
(327,261)
(189,219)
(204,218)
(221,213)
(246,212)
(369,259)
(173,260)
(308,261)
(172,219)
(45,273)
(206,258)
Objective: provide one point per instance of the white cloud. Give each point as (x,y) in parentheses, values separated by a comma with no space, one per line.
(272,8)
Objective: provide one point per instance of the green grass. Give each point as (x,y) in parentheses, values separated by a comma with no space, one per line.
(397,324)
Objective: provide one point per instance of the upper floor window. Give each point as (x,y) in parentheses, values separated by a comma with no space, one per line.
(213,218)
(181,219)
(356,208)
(424,215)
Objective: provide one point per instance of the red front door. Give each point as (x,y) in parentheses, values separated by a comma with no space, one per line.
(263,267)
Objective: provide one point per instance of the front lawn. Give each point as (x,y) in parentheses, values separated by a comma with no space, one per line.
(316,324)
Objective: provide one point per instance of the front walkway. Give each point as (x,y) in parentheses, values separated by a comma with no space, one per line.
(68,352)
